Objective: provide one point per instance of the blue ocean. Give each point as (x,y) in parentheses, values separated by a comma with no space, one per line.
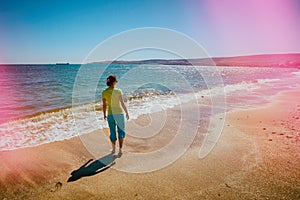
(37,102)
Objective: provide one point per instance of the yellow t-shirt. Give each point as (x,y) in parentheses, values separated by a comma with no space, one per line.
(112,97)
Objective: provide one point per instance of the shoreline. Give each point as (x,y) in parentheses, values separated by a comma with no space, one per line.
(245,163)
(58,124)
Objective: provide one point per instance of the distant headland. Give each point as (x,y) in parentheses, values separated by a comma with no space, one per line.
(291,60)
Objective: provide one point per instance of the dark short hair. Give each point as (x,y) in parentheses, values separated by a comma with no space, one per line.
(111,79)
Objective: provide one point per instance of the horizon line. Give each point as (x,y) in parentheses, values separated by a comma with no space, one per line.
(136,60)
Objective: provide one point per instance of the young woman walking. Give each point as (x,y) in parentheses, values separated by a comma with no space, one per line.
(112,98)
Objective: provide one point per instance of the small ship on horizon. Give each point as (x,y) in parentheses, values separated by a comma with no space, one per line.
(62,63)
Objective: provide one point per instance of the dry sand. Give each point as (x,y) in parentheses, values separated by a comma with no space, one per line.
(257,157)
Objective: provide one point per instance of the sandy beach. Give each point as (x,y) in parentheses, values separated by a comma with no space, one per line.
(210,92)
(256,157)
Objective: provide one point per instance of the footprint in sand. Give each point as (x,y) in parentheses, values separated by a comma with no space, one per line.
(57,187)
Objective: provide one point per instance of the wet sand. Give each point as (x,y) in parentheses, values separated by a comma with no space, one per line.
(256,157)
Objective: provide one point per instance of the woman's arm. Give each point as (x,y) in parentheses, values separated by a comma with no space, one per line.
(104,108)
(124,107)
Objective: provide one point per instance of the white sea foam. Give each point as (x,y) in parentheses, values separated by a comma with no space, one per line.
(70,122)
(296,73)
(267,80)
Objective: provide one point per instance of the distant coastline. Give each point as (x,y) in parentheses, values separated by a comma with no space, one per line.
(266,60)
(288,60)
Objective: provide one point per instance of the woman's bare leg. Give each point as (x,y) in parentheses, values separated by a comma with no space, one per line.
(121,142)
(120,146)
(113,145)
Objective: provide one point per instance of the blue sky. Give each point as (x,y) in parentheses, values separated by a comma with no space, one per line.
(66,31)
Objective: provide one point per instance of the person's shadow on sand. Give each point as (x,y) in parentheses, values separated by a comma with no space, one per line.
(90,169)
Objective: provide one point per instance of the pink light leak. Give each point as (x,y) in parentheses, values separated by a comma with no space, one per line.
(7,110)
(257,26)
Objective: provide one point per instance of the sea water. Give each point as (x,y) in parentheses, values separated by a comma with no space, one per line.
(38,102)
